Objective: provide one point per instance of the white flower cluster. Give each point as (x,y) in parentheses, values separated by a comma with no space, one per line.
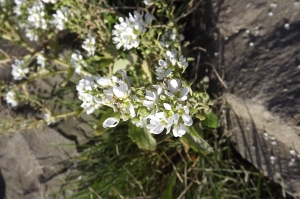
(36,16)
(18,72)
(18,7)
(96,91)
(41,60)
(168,109)
(163,107)
(127,32)
(3,4)
(60,18)
(167,66)
(169,37)
(11,98)
(77,62)
(35,20)
(167,103)
(89,45)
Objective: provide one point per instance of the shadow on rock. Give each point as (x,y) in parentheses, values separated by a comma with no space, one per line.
(2,186)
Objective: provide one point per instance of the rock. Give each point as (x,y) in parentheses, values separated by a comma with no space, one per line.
(33,163)
(259,59)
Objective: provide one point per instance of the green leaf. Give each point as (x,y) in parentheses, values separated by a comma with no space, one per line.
(211,120)
(99,128)
(132,58)
(120,64)
(142,137)
(193,139)
(168,192)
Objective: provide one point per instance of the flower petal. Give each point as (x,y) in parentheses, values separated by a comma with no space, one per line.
(158,129)
(110,122)
(167,106)
(184,92)
(179,131)
(188,121)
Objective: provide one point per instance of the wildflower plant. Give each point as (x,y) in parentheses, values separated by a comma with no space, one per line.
(126,67)
(131,63)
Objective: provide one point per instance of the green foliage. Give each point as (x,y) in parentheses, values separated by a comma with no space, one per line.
(211,120)
(193,139)
(142,137)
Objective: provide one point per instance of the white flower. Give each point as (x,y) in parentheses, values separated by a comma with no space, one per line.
(131,110)
(159,122)
(147,2)
(182,63)
(18,72)
(11,98)
(49,119)
(121,91)
(171,56)
(36,16)
(179,131)
(104,81)
(77,62)
(169,38)
(18,6)
(41,60)
(127,32)
(60,18)
(174,89)
(31,34)
(49,1)
(86,84)
(110,122)
(90,102)
(152,97)
(162,71)
(89,45)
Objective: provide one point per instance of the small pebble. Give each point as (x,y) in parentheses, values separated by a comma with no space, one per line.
(287,26)
(272,158)
(266,135)
(247,31)
(270,14)
(273,141)
(256,31)
(293,152)
(292,161)
(251,44)
(273,5)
